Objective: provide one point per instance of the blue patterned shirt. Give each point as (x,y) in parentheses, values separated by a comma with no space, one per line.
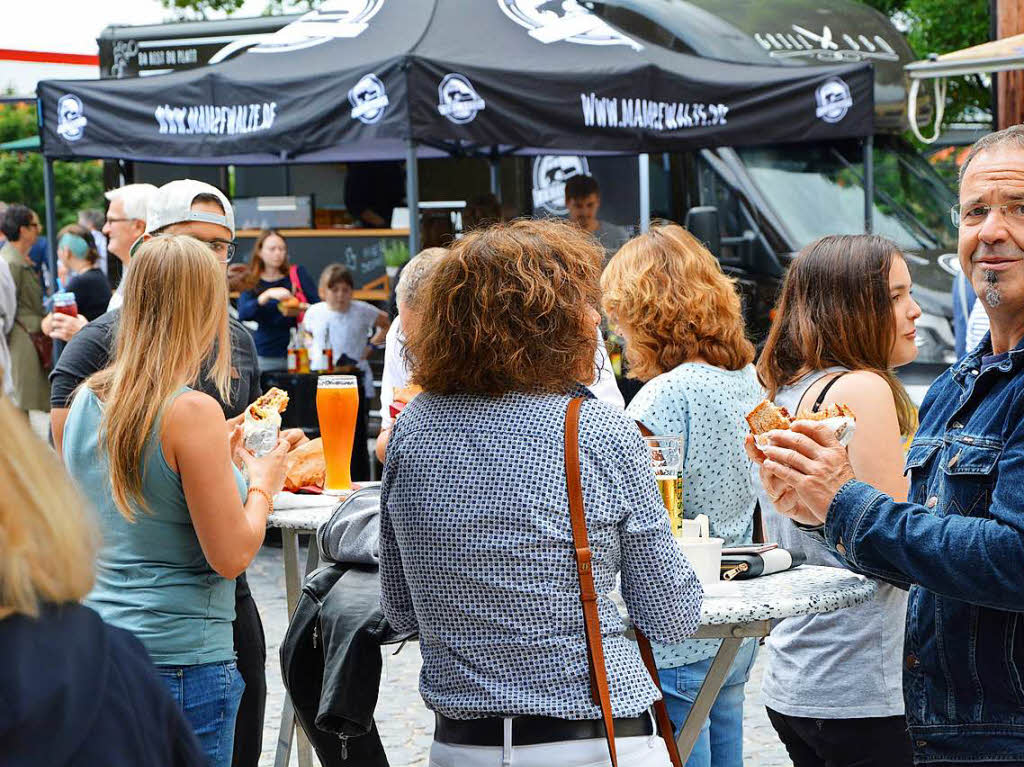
(706,405)
(476,552)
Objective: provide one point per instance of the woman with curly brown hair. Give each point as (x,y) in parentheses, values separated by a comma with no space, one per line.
(682,322)
(476,549)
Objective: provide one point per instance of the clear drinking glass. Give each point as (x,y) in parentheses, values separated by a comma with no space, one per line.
(337,407)
(666,452)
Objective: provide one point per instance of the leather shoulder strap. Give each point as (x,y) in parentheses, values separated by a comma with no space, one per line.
(588,594)
(588,597)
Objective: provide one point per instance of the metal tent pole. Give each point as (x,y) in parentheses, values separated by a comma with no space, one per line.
(412,197)
(644,166)
(869,185)
(495,168)
(51,217)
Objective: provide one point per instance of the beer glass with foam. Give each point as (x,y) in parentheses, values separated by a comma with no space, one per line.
(337,407)
(667,460)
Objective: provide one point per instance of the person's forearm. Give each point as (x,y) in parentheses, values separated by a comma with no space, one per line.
(250,537)
(58,417)
(973,559)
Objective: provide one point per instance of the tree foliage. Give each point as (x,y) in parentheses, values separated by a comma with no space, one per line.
(77,185)
(943,26)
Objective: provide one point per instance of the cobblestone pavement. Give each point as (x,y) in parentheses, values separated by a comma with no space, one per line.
(405,725)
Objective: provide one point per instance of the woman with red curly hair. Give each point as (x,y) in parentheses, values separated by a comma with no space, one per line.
(683,326)
(476,548)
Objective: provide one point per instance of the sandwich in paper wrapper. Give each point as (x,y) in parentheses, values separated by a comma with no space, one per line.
(262,422)
(768,416)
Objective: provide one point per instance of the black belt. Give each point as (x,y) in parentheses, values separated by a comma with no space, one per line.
(530,730)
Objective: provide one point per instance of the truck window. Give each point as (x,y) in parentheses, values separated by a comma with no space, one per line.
(817,189)
(743,245)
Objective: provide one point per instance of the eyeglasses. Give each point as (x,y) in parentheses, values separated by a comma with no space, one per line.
(35,225)
(223,249)
(117,220)
(976,214)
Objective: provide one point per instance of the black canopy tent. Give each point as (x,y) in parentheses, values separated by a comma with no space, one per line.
(407,79)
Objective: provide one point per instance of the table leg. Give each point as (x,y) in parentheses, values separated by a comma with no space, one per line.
(293,589)
(713,684)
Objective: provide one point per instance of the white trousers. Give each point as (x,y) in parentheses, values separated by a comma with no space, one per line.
(643,751)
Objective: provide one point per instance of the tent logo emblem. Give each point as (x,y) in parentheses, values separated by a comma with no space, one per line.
(333,19)
(70,120)
(555,21)
(550,172)
(458,99)
(834,100)
(368,98)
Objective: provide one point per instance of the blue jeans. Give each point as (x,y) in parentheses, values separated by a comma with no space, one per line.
(720,743)
(208,695)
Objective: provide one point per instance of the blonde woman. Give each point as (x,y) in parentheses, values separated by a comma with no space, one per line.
(681,319)
(154,457)
(73,680)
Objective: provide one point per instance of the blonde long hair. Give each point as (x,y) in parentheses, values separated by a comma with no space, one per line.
(175,314)
(48,540)
(670,296)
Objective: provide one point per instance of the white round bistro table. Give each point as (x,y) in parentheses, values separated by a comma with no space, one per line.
(731,611)
(735,610)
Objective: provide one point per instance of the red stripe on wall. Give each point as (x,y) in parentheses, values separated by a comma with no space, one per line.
(48,57)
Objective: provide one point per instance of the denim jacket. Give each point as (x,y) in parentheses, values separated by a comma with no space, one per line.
(958,545)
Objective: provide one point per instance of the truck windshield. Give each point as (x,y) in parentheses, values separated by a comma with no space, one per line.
(817,189)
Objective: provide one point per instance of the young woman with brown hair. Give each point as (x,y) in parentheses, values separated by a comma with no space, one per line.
(273,279)
(476,548)
(683,326)
(844,322)
(154,458)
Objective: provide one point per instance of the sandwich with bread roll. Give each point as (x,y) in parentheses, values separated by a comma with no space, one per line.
(768,416)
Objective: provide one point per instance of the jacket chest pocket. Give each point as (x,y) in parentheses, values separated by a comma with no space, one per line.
(969,469)
(920,465)
(955,477)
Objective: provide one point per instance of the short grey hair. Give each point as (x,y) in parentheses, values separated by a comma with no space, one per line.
(1012,137)
(415,274)
(134,197)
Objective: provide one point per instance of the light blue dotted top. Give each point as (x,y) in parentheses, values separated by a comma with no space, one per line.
(707,406)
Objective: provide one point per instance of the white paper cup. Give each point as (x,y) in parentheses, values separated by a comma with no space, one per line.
(705,555)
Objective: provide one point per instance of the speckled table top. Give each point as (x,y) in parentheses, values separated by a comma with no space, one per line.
(804,590)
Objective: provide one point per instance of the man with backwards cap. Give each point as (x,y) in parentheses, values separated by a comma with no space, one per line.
(201,211)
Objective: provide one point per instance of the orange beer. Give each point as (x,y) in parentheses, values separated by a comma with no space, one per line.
(337,406)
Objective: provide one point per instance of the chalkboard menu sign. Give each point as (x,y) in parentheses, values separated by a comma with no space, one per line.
(364,251)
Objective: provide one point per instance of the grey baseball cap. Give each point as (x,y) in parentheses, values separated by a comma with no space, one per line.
(172,204)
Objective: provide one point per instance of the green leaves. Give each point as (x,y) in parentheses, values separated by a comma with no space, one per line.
(78,185)
(943,26)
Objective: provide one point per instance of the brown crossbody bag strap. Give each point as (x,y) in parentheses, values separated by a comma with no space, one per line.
(588,598)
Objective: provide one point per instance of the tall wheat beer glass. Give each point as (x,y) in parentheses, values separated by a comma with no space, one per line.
(337,406)
(667,461)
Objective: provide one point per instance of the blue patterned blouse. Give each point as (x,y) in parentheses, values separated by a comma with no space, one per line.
(476,552)
(706,404)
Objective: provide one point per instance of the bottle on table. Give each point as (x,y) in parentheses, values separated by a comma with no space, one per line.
(328,356)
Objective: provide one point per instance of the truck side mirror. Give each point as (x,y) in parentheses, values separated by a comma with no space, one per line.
(702,223)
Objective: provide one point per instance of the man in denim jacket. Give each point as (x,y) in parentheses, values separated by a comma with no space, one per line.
(958,543)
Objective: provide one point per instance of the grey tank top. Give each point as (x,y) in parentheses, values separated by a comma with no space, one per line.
(841,665)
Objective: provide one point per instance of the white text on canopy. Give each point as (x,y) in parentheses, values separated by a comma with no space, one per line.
(210,119)
(614,112)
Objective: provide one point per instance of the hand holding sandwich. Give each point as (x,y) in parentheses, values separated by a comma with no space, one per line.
(805,466)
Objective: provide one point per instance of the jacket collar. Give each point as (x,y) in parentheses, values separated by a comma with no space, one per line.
(972,362)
